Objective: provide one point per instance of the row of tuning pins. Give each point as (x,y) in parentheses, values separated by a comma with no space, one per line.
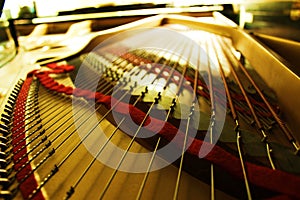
(13,126)
(5,140)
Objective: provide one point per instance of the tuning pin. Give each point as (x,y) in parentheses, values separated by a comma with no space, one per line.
(8,111)
(3,164)
(5,194)
(16,90)
(4,127)
(3,115)
(14,93)
(6,182)
(13,99)
(20,83)
(4,132)
(12,103)
(13,96)
(5,121)
(3,146)
(9,108)
(2,156)
(3,173)
(3,139)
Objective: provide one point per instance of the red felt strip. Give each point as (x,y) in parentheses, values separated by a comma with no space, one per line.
(30,184)
(273,180)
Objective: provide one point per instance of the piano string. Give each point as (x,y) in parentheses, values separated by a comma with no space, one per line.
(44,140)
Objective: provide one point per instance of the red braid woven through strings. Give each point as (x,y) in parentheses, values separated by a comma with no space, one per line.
(263,177)
(24,171)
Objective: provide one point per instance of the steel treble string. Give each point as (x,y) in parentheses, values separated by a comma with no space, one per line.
(175,99)
(72,188)
(141,124)
(237,130)
(257,121)
(213,116)
(157,99)
(279,121)
(56,166)
(44,159)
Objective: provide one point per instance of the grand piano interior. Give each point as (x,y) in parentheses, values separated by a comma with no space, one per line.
(151,100)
